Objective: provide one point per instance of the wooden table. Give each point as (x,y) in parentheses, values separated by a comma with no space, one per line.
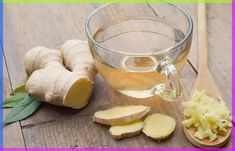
(29,25)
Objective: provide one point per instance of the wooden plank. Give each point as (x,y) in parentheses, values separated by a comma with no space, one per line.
(12,134)
(220,48)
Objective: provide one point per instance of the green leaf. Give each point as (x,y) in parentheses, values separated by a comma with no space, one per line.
(22,110)
(19,89)
(13,100)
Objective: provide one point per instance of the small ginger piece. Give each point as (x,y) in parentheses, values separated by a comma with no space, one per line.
(159,126)
(120,114)
(51,82)
(126,130)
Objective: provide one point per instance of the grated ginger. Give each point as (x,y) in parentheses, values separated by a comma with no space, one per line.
(210,116)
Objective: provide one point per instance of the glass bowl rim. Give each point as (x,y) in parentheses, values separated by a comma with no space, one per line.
(173,47)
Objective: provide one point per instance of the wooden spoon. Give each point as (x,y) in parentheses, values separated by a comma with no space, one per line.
(205,82)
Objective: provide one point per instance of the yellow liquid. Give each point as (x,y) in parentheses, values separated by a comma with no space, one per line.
(134,76)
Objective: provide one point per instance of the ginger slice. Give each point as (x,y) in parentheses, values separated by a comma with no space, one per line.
(159,126)
(120,114)
(126,130)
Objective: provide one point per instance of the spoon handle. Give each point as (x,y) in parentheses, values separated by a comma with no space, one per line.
(202,37)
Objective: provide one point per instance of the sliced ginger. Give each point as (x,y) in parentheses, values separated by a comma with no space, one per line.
(126,121)
(126,130)
(51,82)
(120,114)
(159,126)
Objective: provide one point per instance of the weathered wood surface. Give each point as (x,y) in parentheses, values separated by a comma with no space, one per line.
(13,132)
(28,25)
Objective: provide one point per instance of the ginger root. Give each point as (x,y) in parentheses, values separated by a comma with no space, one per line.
(51,82)
(120,114)
(126,130)
(77,58)
(159,126)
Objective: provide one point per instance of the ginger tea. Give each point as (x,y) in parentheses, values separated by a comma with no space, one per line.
(130,72)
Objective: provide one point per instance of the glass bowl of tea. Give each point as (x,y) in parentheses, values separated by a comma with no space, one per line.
(141,48)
